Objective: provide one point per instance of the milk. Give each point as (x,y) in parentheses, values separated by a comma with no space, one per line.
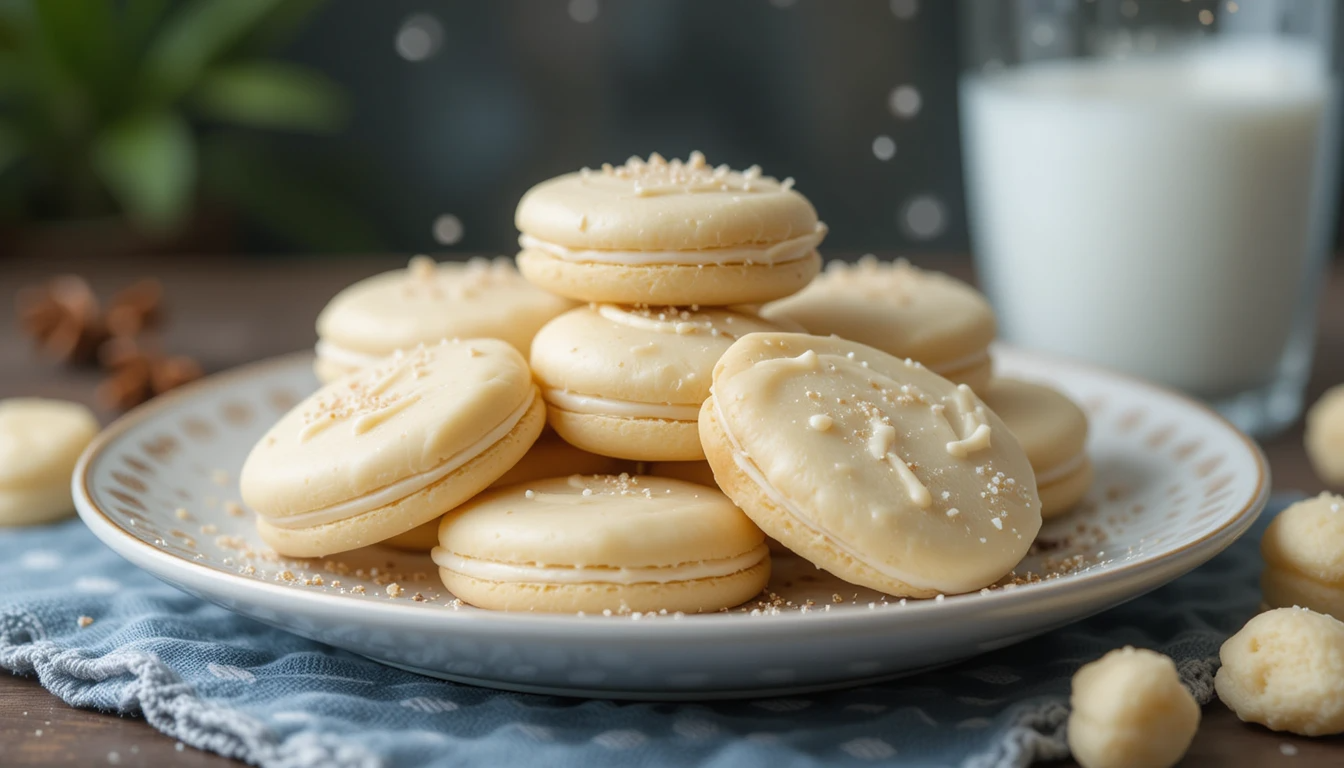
(1152,215)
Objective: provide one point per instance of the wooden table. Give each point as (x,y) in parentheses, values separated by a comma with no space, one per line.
(227,312)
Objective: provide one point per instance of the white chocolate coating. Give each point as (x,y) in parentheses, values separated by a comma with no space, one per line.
(40,442)
(903,448)
(1325,437)
(1130,710)
(1285,670)
(1303,550)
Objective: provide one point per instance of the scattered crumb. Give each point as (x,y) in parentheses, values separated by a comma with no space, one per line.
(418,597)
(394,590)
(358,589)
(209,529)
(84,621)
(286,575)
(220,477)
(315,581)
(1287,750)
(182,513)
(234,508)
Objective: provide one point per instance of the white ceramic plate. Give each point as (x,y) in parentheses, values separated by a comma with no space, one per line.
(1175,484)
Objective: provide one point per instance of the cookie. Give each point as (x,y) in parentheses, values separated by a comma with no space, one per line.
(40,442)
(1052,429)
(549,457)
(1285,671)
(671,233)
(1303,549)
(392,447)
(425,303)
(870,467)
(628,382)
(1325,437)
(602,543)
(1130,710)
(907,312)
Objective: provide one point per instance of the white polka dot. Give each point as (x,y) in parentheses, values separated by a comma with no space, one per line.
(227,672)
(998,675)
(448,229)
(429,706)
(583,11)
(419,37)
(620,739)
(782,705)
(96,585)
(868,749)
(904,101)
(41,560)
(871,709)
(975,722)
(884,148)
(924,217)
(695,729)
(905,10)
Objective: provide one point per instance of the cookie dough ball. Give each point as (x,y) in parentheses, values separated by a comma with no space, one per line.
(1130,710)
(1304,557)
(40,442)
(1325,436)
(1285,671)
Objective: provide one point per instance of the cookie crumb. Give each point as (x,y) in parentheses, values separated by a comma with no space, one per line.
(220,477)
(358,589)
(84,621)
(182,513)
(394,590)
(234,508)
(1288,750)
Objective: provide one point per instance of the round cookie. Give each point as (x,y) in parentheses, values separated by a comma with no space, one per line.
(1303,549)
(673,233)
(929,317)
(1130,710)
(392,447)
(602,543)
(1325,437)
(628,381)
(549,457)
(40,442)
(1052,429)
(869,466)
(1285,671)
(425,303)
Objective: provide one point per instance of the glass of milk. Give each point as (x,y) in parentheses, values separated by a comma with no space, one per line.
(1152,186)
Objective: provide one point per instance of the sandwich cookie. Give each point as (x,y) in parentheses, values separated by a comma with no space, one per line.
(869,466)
(628,381)
(1052,429)
(602,543)
(929,317)
(392,447)
(40,442)
(677,233)
(549,457)
(425,303)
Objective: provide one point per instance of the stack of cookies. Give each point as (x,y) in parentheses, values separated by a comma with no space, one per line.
(658,324)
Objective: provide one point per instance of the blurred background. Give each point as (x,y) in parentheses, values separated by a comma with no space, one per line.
(311,126)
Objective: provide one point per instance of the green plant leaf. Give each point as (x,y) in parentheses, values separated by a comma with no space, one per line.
(81,38)
(148,162)
(195,36)
(11,147)
(268,94)
(283,198)
(139,19)
(280,25)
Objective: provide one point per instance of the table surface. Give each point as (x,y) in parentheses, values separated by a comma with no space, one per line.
(230,311)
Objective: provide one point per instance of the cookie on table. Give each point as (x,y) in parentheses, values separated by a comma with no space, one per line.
(428,302)
(1303,549)
(549,457)
(392,447)
(1129,709)
(628,381)
(602,543)
(869,466)
(1324,437)
(927,316)
(675,233)
(1052,429)
(40,442)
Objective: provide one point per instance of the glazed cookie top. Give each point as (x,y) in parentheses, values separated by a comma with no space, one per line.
(667,206)
(639,354)
(403,417)
(902,469)
(1308,537)
(426,302)
(41,439)
(614,521)
(895,307)
(1050,427)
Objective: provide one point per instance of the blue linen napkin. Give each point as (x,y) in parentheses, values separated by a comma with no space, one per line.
(223,683)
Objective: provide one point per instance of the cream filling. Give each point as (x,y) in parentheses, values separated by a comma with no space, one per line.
(404,487)
(626,409)
(960,364)
(1060,471)
(775,253)
(334,353)
(755,475)
(491,570)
